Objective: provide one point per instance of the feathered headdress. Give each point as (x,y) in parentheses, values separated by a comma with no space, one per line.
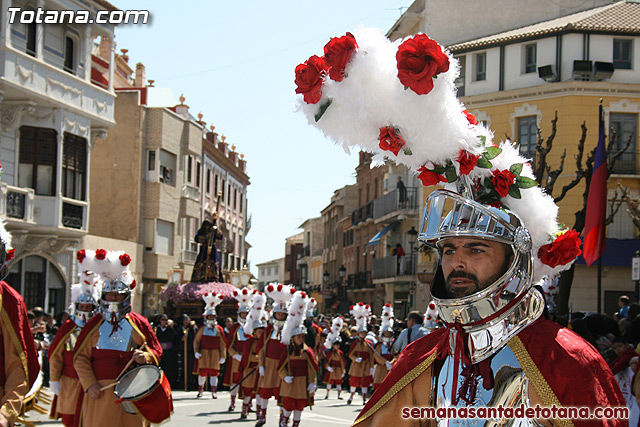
(5,239)
(297,311)
(244,298)
(107,265)
(386,320)
(281,295)
(334,333)
(211,301)
(311,307)
(257,314)
(361,312)
(431,317)
(398,101)
(89,285)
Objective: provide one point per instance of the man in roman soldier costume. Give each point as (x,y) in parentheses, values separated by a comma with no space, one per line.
(360,353)
(64,381)
(209,345)
(496,232)
(207,265)
(20,367)
(297,366)
(109,341)
(236,341)
(253,330)
(334,360)
(383,350)
(271,349)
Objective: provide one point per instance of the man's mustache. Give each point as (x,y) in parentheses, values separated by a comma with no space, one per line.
(462,274)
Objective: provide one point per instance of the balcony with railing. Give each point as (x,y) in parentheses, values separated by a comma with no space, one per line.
(392,267)
(190,201)
(362,213)
(188,256)
(394,202)
(361,280)
(16,203)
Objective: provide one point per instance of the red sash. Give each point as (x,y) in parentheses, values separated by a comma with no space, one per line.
(107,364)
(275,349)
(335,363)
(67,368)
(210,343)
(298,367)
(363,354)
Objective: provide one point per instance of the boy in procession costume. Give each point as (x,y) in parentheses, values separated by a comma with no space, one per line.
(495,230)
(383,354)
(271,349)
(334,362)
(64,381)
(20,367)
(110,340)
(235,344)
(254,330)
(209,346)
(297,367)
(361,354)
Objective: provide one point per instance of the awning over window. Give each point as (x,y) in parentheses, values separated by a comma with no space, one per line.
(376,239)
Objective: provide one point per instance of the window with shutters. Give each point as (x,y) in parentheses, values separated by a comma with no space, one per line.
(37,163)
(74,167)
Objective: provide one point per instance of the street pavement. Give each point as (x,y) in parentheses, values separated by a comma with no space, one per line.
(192,412)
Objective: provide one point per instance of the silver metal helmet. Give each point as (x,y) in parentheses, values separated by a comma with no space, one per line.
(448,215)
(119,308)
(259,324)
(279,307)
(210,323)
(80,317)
(299,330)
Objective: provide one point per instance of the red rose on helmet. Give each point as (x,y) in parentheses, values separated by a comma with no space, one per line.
(419,60)
(10,254)
(470,117)
(309,77)
(467,162)
(133,285)
(390,140)
(429,177)
(337,54)
(270,288)
(125,260)
(101,254)
(564,249)
(81,255)
(502,180)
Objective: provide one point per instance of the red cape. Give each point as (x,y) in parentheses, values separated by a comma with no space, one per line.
(140,322)
(14,315)
(61,337)
(573,369)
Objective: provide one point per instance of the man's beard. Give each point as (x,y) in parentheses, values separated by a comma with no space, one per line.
(472,288)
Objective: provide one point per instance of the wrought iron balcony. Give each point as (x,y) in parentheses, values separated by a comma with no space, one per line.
(388,267)
(395,201)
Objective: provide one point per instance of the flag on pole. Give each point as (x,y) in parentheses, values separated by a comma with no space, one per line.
(594,229)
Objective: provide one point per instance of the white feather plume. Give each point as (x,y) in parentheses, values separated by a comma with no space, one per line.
(334,332)
(431,315)
(243,296)
(5,236)
(297,313)
(386,320)
(279,293)
(361,313)
(256,312)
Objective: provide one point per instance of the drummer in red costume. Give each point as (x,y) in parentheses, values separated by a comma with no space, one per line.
(271,349)
(383,354)
(20,366)
(109,341)
(235,344)
(209,346)
(64,381)
(253,330)
(361,354)
(298,366)
(334,361)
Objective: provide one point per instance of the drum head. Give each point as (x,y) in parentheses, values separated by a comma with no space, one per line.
(137,382)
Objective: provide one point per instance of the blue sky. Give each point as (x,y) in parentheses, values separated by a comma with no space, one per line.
(235,62)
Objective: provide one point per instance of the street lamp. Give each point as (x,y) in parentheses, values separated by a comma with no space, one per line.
(245,275)
(325,276)
(343,272)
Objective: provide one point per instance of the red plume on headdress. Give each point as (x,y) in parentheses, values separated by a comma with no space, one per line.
(81,255)
(206,294)
(270,288)
(388,304)
(101,254)
(10,254)
(235,293)
(133,284)
(125,259)
(293,290)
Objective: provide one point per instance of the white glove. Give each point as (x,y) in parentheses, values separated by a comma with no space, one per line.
(54,386)
(371,371)
(329,368)
(198,355)
(288,379)
(358,359)
(222,361)
(238,357)
(342,375)
(261,371)
(388,365)
(311,388)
